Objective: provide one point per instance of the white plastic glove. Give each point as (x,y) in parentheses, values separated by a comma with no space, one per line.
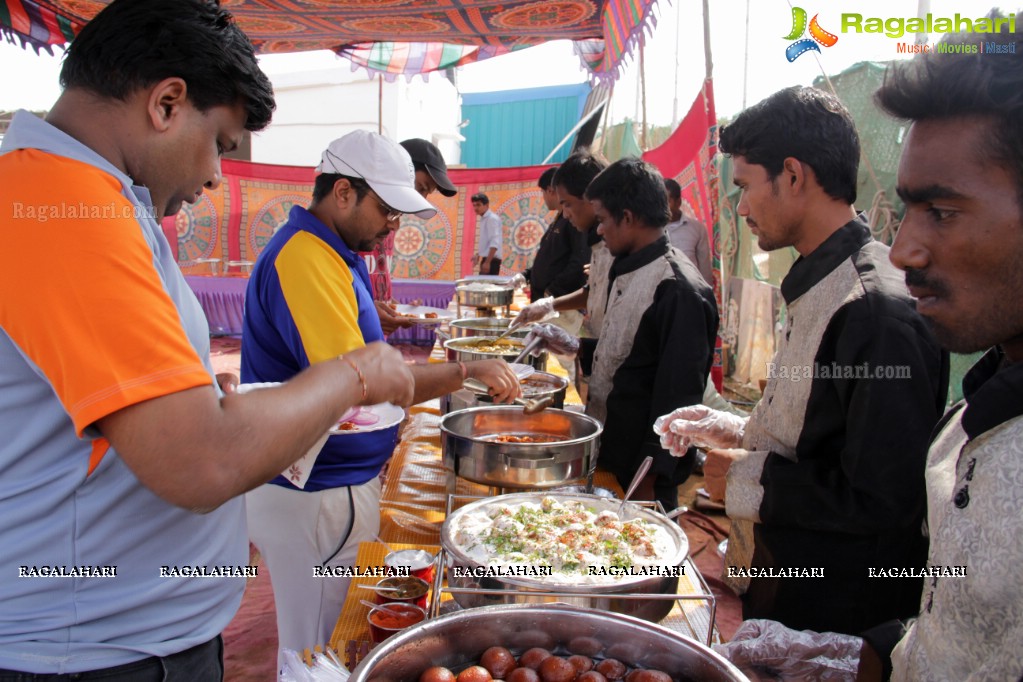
(534,312)
(672,442)
(518,281)
(555,339)
(791,655)
(701,426)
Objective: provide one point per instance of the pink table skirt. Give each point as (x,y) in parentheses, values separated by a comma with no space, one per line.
(433,293)
(223,301)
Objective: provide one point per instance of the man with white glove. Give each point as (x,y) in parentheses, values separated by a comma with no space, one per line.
(656,340)
(719,433)
(827,473)
(970,621)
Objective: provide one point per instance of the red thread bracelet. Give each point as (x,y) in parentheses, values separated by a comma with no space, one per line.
(358,373)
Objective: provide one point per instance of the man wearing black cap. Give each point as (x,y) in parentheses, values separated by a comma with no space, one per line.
(431,176)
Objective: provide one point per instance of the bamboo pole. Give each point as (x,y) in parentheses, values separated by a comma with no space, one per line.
(642,87)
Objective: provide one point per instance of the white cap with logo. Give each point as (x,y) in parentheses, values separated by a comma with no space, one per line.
(383,164)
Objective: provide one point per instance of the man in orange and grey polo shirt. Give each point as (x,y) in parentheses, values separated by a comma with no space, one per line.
(121,458)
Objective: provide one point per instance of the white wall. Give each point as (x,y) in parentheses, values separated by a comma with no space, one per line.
(317,106)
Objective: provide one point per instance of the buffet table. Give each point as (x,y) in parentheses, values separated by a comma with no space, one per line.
(413,503)
(223,301)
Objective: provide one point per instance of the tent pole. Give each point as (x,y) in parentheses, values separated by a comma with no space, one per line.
(707,59)
(745,59)
(607,115)
(380,104)
(642,87)
(674,101)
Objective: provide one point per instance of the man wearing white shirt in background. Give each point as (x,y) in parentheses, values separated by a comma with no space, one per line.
(489,251)
(686,234)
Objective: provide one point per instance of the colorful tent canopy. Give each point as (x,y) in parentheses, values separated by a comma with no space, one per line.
(389,36)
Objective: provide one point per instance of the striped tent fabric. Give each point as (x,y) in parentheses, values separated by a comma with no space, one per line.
(409,59)
(392,37)
(35,25)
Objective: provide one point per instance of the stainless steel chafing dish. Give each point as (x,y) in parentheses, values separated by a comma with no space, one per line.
(468,453)
(469,348)
(598,596)
(457,640)
(483,326)
(537,386)
(481,294)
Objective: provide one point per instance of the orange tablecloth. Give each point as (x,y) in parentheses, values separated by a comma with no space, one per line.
(351,634)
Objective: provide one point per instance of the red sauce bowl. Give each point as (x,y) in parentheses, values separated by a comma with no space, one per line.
(382,624)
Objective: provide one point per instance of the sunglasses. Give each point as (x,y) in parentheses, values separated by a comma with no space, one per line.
(337,163)
(392,214)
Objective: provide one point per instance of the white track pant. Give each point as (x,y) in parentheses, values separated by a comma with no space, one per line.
(296,531)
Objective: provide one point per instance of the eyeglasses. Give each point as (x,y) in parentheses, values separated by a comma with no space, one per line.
(392,214)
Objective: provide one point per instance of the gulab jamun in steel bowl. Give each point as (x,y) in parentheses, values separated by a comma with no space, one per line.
(541,643)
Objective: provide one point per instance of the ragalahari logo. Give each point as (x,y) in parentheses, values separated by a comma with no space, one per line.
(817,35)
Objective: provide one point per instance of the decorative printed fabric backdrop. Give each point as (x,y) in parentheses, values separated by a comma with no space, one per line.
(235,221)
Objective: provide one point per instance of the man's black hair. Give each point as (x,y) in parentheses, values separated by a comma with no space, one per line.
(577,171)
(804,123)
(132,44)
(936,85)
(634,185)
(481,198)
(546,178)
(324,183)
(673,189)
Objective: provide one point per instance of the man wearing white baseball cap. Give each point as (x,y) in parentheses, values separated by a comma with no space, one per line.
(384,165)
(309,300)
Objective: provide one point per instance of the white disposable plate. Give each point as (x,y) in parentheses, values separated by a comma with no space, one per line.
(417,313)
(245,388)
(388,415)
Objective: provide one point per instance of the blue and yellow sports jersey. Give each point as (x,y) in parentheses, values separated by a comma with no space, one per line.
(308,300)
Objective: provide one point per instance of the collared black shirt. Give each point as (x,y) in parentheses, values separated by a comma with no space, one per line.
(558,267)
(668,362)
(849,493)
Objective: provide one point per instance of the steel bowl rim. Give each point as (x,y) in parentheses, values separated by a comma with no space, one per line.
(453,344)
(412,633)
(478,319)
(621,585)
(553,389)
(526,446)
